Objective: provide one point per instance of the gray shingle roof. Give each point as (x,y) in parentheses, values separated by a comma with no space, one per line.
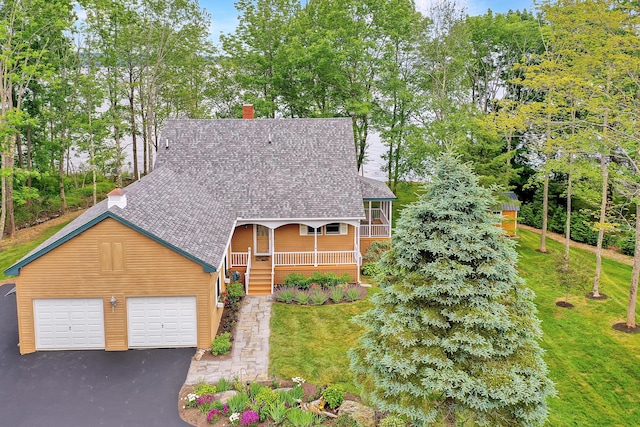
(372,189)
(511,203)
(216,171)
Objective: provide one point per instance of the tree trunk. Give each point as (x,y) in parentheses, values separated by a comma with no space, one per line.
(450,416)
(633,290)
(132,119)
(11,220)
(63,199)
(3,197)
(545,210)
(603,218)
(567,227)
(29,145)
(19,151)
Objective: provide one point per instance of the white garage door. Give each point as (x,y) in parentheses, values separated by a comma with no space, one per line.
(66,324)
(162,322)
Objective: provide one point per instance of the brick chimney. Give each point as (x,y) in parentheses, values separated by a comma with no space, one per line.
(247,111)
(117,197)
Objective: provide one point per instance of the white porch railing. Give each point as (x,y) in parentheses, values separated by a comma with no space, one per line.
(375,230)
(239,259)
(246,274)
(314,258)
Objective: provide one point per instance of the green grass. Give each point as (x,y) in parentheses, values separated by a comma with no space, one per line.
(596,369)
(407,192)
(10,255)
(312,342)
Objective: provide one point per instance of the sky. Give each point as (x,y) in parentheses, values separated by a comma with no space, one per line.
(224,16)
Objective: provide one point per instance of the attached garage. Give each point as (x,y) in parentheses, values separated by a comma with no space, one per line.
(69,324)
(162,322)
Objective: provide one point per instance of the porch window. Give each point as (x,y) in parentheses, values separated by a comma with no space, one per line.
(305,230)
(336,228)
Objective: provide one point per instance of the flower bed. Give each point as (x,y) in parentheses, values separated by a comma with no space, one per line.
(292,402)
(318,295)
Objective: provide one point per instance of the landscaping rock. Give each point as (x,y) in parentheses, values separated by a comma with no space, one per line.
(364,415)
(224,396)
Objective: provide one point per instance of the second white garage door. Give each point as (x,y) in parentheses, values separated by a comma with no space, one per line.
(162,322)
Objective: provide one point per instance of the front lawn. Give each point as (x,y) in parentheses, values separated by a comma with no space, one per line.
(596,369)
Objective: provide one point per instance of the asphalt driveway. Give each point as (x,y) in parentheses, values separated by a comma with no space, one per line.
(86,388)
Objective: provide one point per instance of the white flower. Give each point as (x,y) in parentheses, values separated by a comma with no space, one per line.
(298,380)
(234,417)
(191,397)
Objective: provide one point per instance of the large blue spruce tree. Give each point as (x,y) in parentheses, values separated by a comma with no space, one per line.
(452,338)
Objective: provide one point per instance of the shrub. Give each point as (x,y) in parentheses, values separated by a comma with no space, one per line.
(221,344)
(301,297)
(205,388)
(239,402)
(223,385)
(235,291)
(318,297)
(285,294)
(254,389)
(337,294)
(266,396)
(295,280)
(354,293)
(370,269)
(334,396)
(627,243)
(300,418)
(375,250)
(392,421)
(286,397)
(277,411)
(296,393)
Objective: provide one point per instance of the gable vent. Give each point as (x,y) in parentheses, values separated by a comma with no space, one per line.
(117,197)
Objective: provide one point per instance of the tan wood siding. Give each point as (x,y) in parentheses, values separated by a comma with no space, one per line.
(288,239)
(140,267)
(242,238)
(509,222)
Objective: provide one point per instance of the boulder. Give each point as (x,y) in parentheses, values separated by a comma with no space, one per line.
(363,415)
(224,396)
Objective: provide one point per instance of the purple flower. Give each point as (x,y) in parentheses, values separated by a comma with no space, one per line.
(206,398)
(249,417)
(225,408)
(213,415)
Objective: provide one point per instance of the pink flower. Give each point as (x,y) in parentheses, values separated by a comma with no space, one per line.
(249,418)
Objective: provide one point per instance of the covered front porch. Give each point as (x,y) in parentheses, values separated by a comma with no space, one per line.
(265,253)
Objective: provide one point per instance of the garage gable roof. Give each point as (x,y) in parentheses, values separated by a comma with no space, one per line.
(14,270)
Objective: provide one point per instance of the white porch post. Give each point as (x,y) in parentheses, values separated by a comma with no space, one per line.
(370,218)
(390,208)
(315,246)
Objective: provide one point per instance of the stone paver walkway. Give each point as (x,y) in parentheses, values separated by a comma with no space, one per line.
(250,352)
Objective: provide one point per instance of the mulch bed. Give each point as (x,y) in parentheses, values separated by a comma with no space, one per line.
(599,297)
(564,304)
(622,327)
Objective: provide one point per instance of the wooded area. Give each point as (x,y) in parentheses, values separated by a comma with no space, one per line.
(545,103)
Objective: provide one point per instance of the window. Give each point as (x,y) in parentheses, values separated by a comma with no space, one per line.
(336,228)
(305,230)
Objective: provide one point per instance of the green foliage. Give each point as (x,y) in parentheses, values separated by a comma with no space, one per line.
(285,295)
(573,276)
(334,396)
(203,388)
(296,393)
(277,411)
(299,418)
(295,280)
(376,249)
(286,397)
(317,296)
(221,344)
(301,297)
(265,397)
(392,421)
(239,402)
(354,293)
(345,420)
(627,243)
(324,280)
(235,291)
(370,269)
(452,294)
(223,385)
(254,389)
(336,294)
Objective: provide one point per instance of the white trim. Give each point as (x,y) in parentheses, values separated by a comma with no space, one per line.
(315,222)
